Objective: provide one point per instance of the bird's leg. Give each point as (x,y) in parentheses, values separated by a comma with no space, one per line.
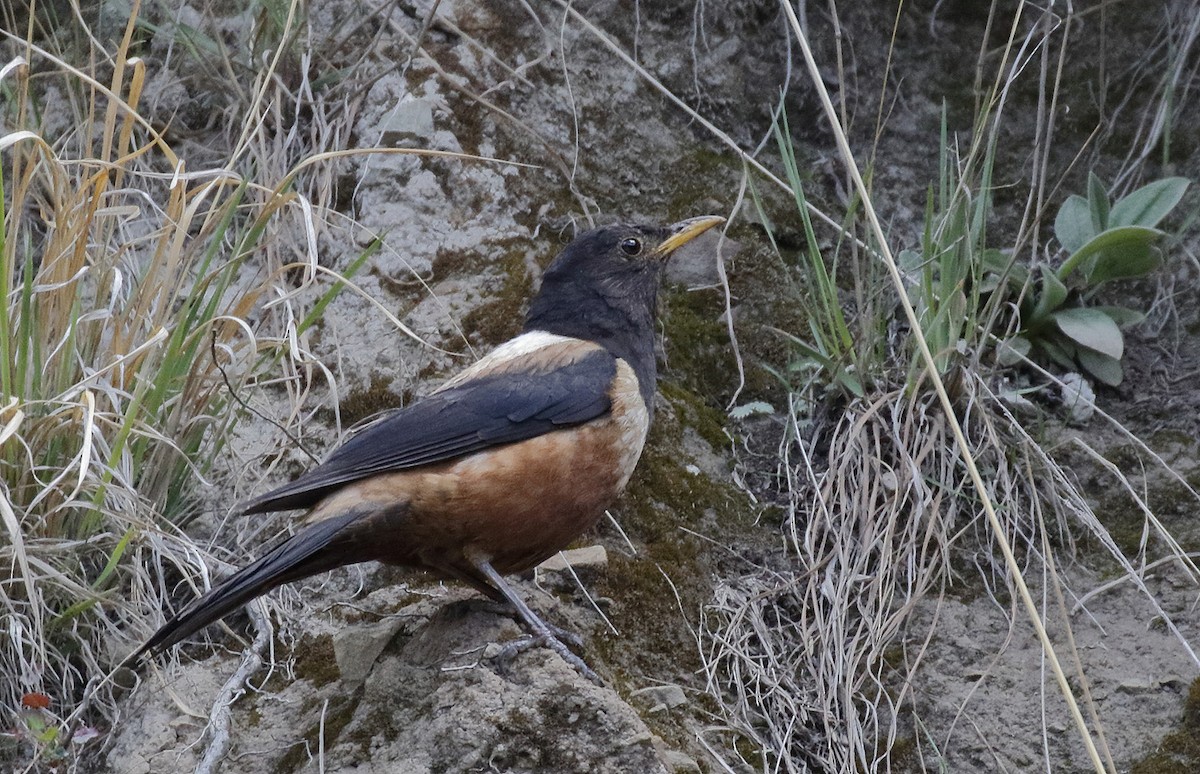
(542,633)
(505,609)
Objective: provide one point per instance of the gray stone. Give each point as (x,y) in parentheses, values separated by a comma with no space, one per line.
(408,121)
(668,696)
(681,762)
(582,560)
(356,648)
(1079,398)
(695,264)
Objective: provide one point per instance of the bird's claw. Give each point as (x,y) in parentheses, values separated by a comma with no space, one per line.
(548,639)
(567,636)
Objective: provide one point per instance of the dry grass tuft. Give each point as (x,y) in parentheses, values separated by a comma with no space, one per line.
(125,314)
(817,656)
(800,648)
(141,297)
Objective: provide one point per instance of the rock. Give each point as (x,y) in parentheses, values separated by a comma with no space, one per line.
(587,560)
(662,697)
(695,264)
(429,701)
(433,704)
(1078,397)
(677,761)
(357,648)
(410,120)
(1136,685)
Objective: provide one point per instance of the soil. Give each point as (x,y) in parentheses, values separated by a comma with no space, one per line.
(377,670)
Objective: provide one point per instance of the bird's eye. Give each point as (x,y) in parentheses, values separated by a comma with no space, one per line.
(631,246)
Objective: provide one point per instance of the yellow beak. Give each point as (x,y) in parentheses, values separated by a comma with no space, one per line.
(685,231)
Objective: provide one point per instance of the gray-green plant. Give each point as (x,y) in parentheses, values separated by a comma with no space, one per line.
(943,280)
(830,347)
(1103,242)
(942,277)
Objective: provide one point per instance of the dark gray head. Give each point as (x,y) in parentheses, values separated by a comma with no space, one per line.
(604,288)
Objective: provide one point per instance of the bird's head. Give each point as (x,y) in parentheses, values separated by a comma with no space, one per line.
(619,265)
(604,288)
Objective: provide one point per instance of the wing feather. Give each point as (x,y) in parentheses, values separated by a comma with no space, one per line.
(488,410)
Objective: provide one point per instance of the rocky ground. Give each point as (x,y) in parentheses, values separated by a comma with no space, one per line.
(380,670)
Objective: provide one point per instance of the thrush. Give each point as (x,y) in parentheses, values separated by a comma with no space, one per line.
(502,466)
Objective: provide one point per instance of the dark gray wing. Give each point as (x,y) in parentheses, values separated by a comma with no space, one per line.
(490,410)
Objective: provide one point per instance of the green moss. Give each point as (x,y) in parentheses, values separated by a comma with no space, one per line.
(501,316)
(1169,437)
(1124,456)
(1169,499)
(768,294)
(507,290)
(468,121)
(367,402)
(454,263)
(1179,751)
(376,725)
(696,414)
(664,499)
(335,717)
(316,663)
(904,755)
(315,660)
(693,177)
(526,738)
(697,348)
(1123,519)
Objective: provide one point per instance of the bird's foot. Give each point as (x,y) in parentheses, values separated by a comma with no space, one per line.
(556,632)
(565,636)
(549,639)
(543,633)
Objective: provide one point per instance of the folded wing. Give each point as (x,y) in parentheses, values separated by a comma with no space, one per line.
(490,410)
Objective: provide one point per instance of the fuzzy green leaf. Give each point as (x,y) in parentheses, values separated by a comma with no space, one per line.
(753,408)
(1122,316)
(1115,239)
(995,260)
(1073,226)
(1013,351)
(1060,349)
(1149,204)
(999,265)
(912,264)
(1092,329)
(1134,259)
(851,383)
(1101,366)
(1054,292)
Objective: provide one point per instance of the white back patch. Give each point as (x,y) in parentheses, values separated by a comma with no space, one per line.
(524,344)
(513,348)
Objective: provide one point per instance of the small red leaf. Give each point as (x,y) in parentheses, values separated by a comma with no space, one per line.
(35,701)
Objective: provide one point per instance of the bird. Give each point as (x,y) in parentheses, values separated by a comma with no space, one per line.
(504,464)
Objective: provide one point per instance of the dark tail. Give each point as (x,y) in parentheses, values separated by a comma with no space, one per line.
(318,548)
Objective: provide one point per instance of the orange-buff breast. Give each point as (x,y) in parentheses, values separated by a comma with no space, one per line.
(517,504)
